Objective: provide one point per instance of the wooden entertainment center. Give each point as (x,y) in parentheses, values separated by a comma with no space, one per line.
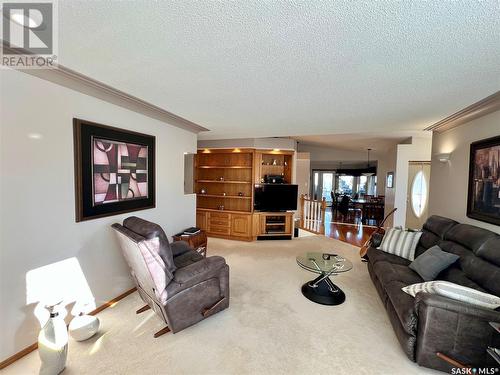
(224,185)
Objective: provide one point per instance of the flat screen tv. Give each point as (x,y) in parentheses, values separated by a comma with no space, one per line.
(275,197)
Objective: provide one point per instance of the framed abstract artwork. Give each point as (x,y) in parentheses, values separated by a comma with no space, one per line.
(390,180)
(114,170)
(483,201)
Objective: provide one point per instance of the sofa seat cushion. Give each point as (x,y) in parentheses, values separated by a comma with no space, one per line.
(187,258)
(404,305)
(455,275)
(374,255)
(179,248)
(388,272)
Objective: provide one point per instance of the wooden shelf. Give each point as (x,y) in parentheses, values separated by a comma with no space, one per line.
(225,182)
(226,211)
(223,196)
(223,167)
(232,216)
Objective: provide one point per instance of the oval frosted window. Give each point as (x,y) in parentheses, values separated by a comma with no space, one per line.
(419,194)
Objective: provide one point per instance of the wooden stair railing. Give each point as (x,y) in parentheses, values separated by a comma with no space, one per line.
(312,216)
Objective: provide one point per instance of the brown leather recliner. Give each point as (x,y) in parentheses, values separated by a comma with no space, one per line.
(179,284)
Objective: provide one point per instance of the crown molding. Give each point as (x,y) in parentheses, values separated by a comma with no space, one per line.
(481,108)
(74,80)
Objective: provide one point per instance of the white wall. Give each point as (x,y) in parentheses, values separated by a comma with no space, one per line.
(449,181)
(329,157)
(303,175)
(390,162)
(37,196)
(331,154)
(418,150)
(262,143)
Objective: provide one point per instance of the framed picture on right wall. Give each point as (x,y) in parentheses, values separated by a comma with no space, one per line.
(483,201)
(390,180)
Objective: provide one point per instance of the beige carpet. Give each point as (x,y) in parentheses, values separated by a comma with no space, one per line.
(269,328)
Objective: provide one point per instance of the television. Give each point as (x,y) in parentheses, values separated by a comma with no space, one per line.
(275,197)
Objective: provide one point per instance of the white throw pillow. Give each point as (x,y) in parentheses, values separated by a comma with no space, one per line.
(456,292)
(400,242)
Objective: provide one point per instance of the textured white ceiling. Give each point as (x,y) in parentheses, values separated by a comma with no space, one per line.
(282,68)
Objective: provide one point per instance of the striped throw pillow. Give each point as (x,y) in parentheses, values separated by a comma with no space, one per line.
(400,242)
(427,287)
(454,291)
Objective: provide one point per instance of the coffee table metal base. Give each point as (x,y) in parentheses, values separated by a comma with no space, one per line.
(321,290)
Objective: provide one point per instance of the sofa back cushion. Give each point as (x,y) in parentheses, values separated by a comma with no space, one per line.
(433,232)
(479,252)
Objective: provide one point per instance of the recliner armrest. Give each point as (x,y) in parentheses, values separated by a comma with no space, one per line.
(445,303)
(199,270)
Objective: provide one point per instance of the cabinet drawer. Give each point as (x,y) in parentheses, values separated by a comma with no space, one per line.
(219,229)
(219,222)
(219,215)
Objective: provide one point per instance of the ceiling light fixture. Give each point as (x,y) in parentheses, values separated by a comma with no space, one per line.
(339,172)
(368,165)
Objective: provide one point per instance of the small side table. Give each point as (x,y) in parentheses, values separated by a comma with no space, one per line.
(494,352)
(197,241)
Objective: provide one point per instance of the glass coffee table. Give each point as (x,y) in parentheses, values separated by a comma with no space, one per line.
(322,290)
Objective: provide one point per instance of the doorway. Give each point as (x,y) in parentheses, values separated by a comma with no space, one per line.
(417,198)
(323,184)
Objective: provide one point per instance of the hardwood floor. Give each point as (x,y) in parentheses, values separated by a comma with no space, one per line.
(355,234)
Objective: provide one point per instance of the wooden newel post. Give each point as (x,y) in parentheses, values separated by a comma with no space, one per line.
(323,213)
(302,199)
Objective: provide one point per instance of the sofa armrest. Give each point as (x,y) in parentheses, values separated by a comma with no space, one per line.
(454,328)
(377,239)
(445,303)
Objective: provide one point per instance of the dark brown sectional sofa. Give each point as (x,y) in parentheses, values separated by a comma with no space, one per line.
(428,323)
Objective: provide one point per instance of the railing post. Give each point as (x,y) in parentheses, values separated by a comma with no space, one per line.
(323,214)
(302,213)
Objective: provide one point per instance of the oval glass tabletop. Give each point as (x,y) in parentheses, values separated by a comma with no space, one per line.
(319,263)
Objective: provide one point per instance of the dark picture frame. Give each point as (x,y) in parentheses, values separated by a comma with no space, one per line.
(483,198)
(90,175)
(390,180)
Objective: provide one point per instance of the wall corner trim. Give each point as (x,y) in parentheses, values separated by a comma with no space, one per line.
(481,108)
(74,80)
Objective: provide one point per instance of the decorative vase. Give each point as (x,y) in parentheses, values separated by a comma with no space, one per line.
(83,327)
(53,343)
